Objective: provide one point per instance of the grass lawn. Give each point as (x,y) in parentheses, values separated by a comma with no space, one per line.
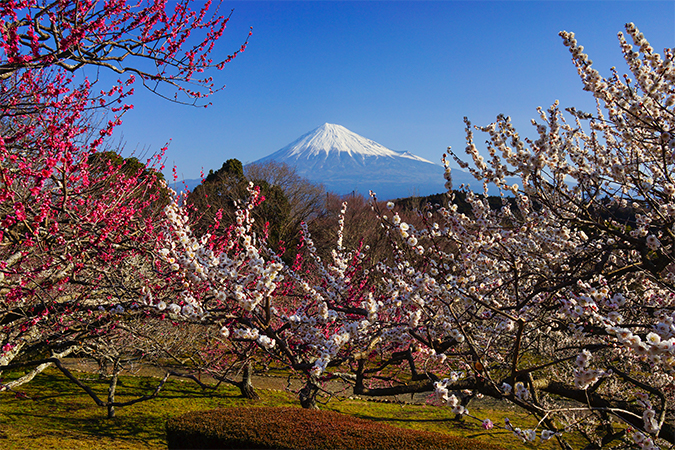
(58,415)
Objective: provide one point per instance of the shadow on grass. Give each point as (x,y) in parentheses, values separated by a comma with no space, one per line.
(404,420)
(450,422)
(55,407)
(489,435)
(59,410)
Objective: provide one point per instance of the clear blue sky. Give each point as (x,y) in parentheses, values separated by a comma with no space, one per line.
(402,73)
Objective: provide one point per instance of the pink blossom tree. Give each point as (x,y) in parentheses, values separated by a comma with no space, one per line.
(77,229)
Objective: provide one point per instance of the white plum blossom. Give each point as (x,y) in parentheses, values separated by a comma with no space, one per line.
(547,434)
(521,392)
(266,342)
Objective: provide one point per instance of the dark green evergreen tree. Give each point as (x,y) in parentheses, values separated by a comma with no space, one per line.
(227,186)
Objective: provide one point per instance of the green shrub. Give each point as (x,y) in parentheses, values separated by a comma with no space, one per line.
(296,428)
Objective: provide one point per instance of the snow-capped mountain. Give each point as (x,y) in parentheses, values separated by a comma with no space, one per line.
(346,162)
(332,139)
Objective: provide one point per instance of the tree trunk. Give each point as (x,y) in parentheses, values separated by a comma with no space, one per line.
(308,395)
(111,395)
(245,386)
(111,389)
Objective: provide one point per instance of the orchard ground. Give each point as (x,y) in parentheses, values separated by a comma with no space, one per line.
(54,413)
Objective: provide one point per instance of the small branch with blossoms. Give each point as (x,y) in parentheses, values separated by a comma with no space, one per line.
(118,36)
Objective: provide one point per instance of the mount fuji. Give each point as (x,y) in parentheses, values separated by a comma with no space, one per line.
(345,162)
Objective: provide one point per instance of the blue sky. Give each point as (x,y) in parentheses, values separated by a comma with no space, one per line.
(402,73)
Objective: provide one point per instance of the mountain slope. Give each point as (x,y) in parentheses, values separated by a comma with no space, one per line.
(346,162)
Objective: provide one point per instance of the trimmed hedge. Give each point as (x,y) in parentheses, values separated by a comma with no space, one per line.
(300,429)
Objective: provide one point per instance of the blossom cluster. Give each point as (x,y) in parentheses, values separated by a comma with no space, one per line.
(234,272)
(584,376)
(442,396)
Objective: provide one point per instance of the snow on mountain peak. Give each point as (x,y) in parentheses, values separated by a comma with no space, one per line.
(335,139)
(415,157)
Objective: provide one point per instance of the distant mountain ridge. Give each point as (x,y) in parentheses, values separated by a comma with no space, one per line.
(345,162)
(187,184)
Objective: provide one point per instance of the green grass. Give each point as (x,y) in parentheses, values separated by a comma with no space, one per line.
(432,418)
(58,415)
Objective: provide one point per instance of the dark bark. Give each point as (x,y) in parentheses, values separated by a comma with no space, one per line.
(412,387)
(633,416)
(245,386)
(308,395)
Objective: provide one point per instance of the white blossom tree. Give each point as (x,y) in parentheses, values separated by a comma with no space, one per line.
(560,301)
(566,291)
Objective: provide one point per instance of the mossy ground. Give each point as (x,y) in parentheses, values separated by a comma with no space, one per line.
(56,414)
